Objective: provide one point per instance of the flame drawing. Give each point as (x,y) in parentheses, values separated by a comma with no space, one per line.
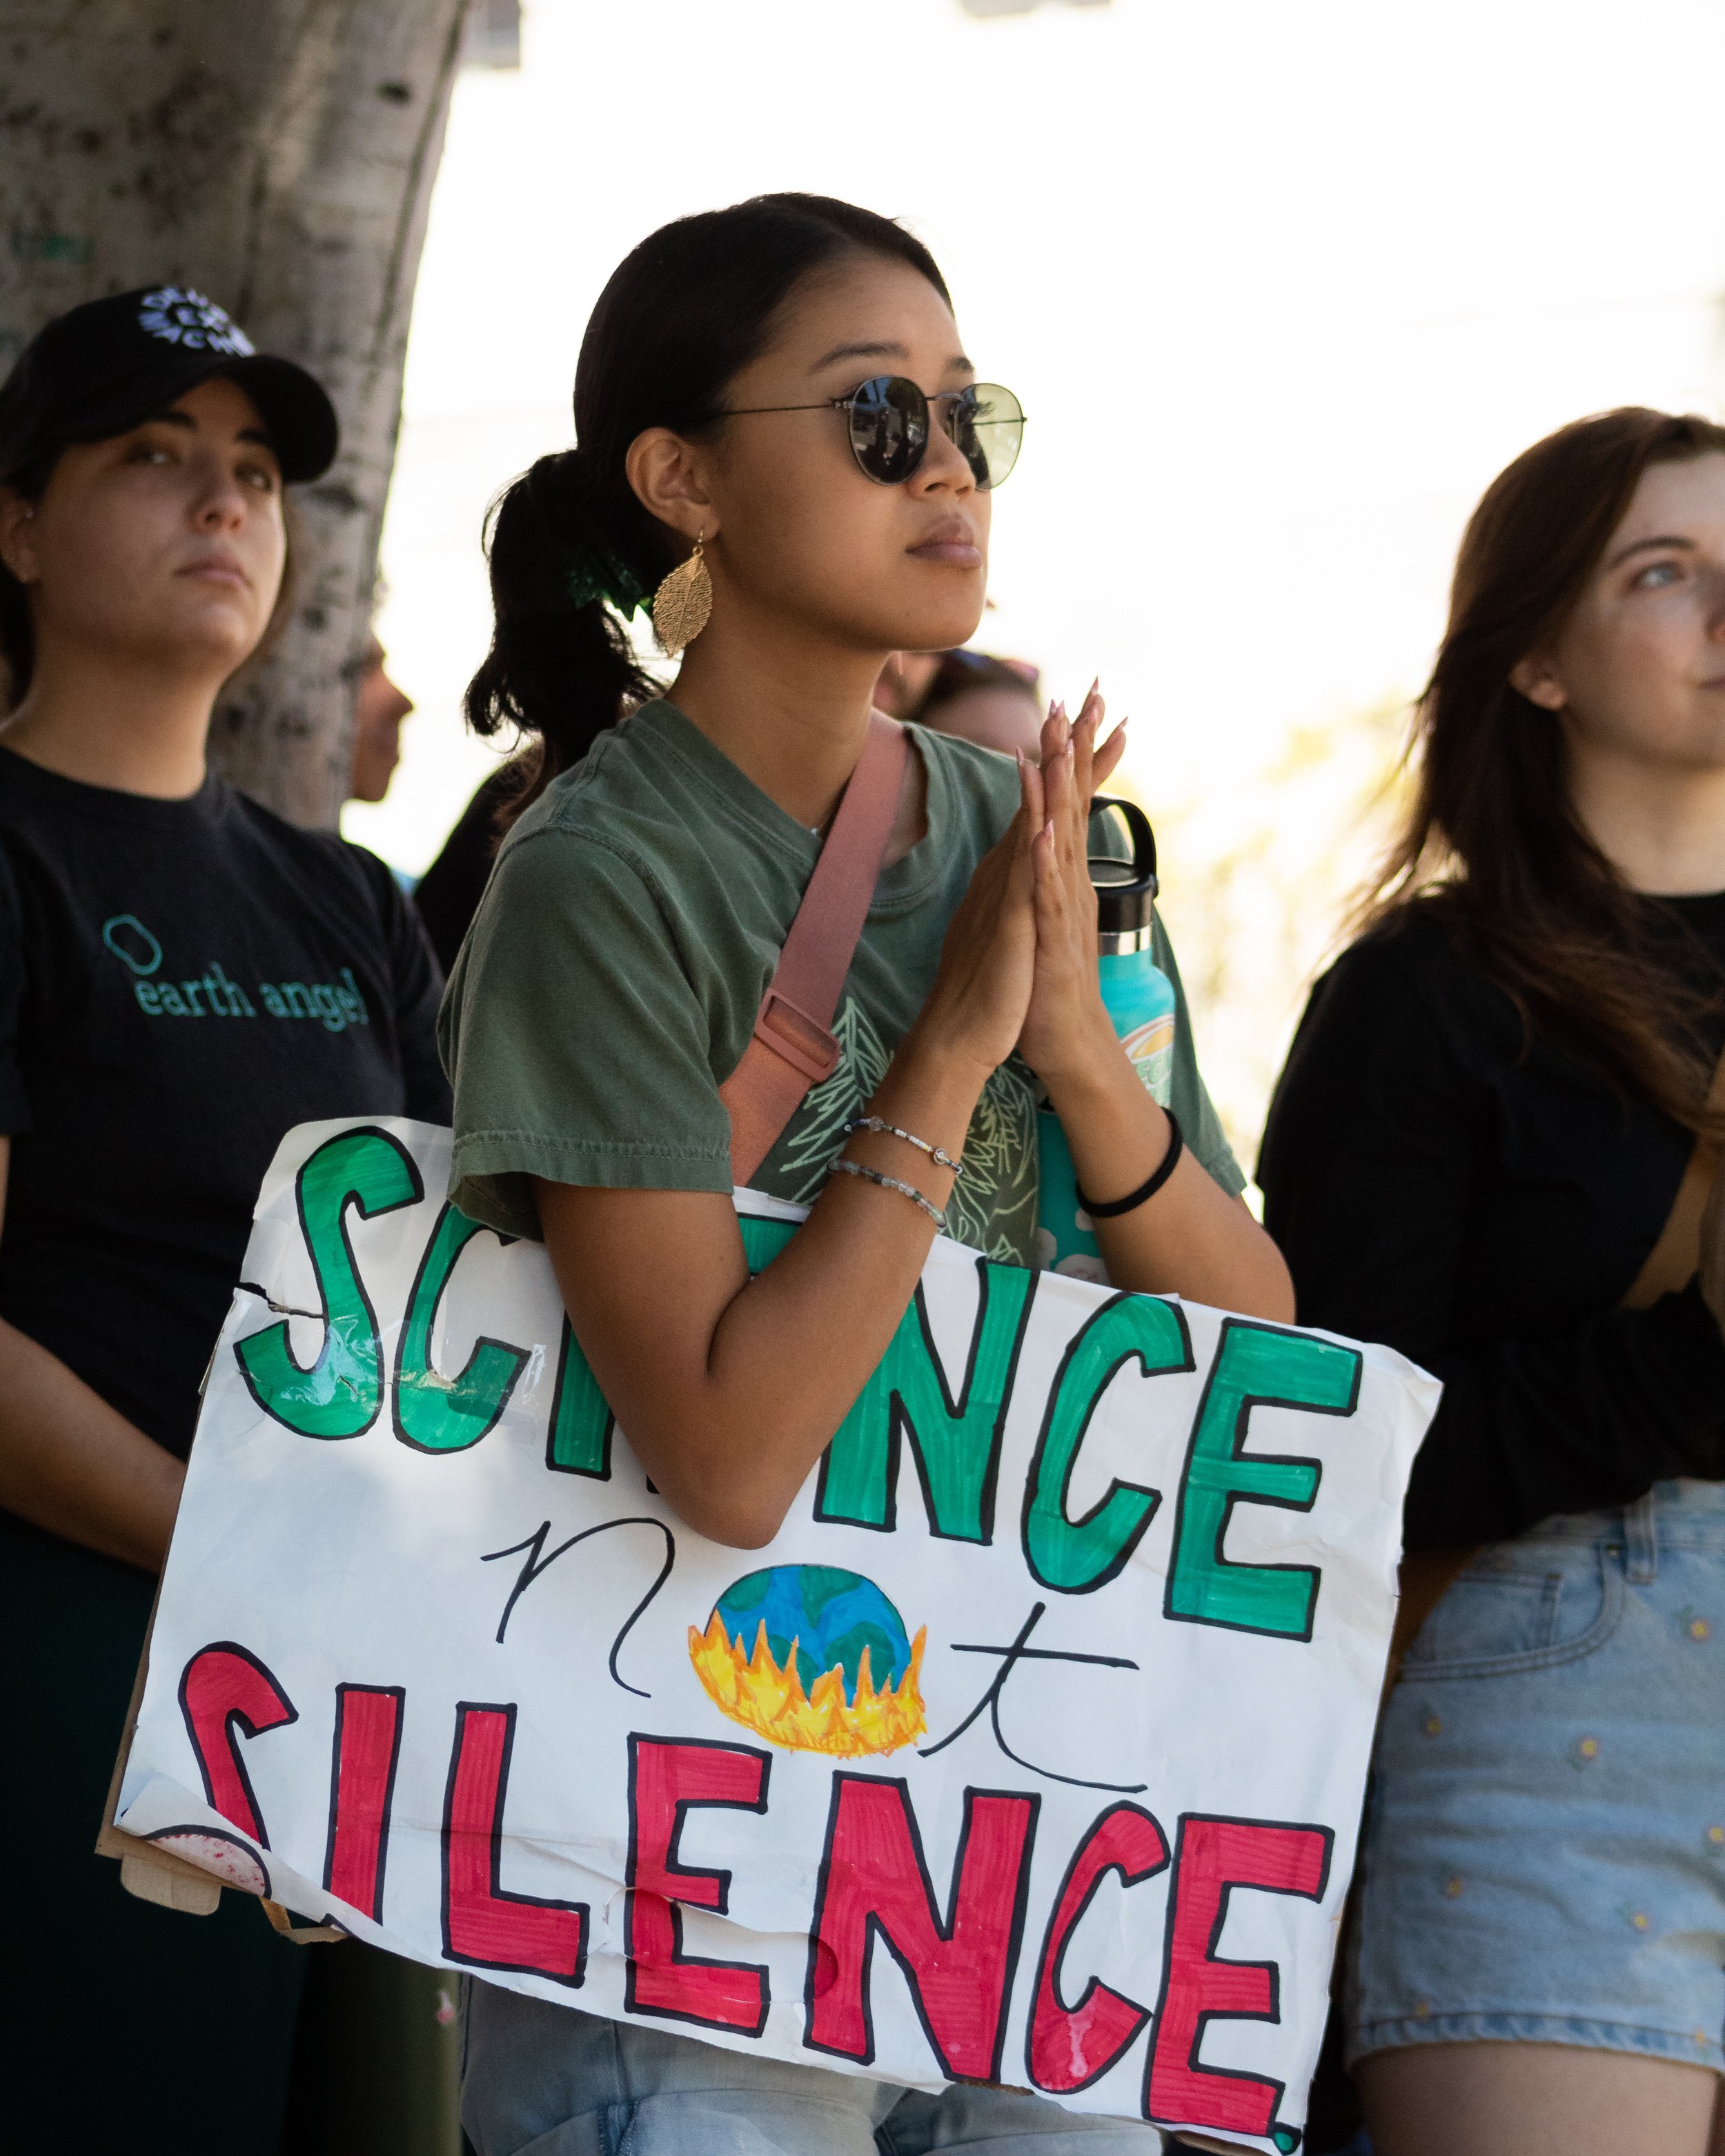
(755,1690)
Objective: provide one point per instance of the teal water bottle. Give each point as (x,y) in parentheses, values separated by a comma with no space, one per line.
(1138,996)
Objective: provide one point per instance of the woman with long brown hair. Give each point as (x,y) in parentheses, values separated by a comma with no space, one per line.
(1490,1148)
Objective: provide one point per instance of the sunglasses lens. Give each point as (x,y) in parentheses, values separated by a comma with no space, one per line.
(889,428)
(988,423)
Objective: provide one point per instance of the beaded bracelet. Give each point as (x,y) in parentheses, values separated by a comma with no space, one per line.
(891,1182)
(892,1131)
(1145,1191)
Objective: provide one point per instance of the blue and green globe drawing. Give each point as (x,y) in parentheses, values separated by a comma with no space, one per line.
(814,1658)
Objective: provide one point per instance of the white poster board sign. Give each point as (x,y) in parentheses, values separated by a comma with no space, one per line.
(1031,1750)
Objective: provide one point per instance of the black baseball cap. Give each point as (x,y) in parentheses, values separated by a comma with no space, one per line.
(106,366)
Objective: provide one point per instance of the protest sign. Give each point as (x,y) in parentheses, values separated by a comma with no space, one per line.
(1031,1750)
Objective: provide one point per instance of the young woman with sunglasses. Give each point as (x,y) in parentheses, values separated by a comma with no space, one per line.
(782,386)
(1483,1150)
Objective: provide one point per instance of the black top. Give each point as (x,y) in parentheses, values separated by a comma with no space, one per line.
(1482,1201)
(448,893)
(181,982)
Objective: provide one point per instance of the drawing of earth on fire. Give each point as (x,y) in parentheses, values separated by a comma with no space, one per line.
(813,1658)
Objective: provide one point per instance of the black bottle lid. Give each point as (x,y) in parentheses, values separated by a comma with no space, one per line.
(1125,881)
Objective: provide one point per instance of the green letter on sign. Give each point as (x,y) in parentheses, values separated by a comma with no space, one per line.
(434,1413)
(582,1426)
(1075,1556)
(1256,1366)
(956,1443)
(339,1395)
(763,1240)
(580,1423)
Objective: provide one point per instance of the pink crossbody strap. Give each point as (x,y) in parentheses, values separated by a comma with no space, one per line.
(792,1047)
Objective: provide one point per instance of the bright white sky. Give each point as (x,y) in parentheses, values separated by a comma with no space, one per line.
(1281,288)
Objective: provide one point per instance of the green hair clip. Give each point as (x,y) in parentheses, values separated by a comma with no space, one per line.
(602,577)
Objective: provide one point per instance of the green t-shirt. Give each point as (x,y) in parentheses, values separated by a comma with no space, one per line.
(610,981)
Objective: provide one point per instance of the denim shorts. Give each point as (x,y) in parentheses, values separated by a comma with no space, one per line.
(540,2080)
(1544,1852)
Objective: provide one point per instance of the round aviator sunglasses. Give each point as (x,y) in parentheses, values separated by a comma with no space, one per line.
(888,416)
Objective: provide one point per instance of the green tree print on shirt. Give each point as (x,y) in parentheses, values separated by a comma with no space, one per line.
(992,1207)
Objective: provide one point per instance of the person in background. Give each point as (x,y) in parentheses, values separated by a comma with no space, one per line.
(183,977)
(997,703)
(1483,1151)
(379,708)
(448,893)
(904,682)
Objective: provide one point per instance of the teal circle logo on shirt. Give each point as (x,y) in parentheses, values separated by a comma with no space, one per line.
(131,943)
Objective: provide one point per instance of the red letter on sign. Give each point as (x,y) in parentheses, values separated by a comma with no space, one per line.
(665,1778)
(874,1877)
(224,1688)
(1216,1856)
(483,1925)
(362,1785)
(1068,2048)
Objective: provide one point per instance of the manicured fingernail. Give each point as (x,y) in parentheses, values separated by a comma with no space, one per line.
(1094,687)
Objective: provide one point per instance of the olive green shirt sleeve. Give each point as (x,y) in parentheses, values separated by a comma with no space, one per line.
(1199,1124)
(575,1038)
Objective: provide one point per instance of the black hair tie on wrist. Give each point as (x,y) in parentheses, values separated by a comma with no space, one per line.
(1145,1191)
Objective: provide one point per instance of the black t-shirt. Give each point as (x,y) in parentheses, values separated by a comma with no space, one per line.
(180,983)
(1482,1200)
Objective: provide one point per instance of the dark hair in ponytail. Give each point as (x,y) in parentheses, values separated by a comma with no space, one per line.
(572,549)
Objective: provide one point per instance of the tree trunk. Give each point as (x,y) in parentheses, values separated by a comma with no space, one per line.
(277,154)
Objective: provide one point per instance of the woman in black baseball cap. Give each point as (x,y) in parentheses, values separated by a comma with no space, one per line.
(96,371)
(182,977)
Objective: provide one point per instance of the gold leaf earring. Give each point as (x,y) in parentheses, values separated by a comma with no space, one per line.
(683,603)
